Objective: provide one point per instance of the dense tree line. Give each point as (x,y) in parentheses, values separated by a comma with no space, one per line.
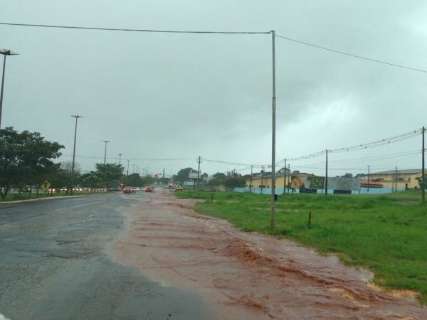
(28,160)
(228,180)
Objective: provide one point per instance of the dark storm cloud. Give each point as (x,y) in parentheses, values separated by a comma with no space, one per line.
(180,96)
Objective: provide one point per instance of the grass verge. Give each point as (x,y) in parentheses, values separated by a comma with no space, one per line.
(385,233)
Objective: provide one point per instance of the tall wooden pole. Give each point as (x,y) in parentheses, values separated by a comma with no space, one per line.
(326,173)
(251,180)
(284,178)
(273,140)
(423,185)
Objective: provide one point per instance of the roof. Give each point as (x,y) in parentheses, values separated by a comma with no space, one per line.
(267,174)
(405,171)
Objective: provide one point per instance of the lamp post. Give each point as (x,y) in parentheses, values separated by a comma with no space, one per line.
(77,117)
(105,150)
(5,53)
(73,164)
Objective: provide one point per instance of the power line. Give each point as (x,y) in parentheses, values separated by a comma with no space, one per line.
(308,156)
(378,143)
(52,26)
(281,36)
(131,159)
(380,157)
(373,144)
(352,55)
(233,163)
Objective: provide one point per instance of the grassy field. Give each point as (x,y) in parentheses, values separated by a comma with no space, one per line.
(386,233)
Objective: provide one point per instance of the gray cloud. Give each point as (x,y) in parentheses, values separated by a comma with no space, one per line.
(180,96)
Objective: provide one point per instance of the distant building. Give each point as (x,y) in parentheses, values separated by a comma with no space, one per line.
(344,183)
(301,180)
(263,179)
(392,179)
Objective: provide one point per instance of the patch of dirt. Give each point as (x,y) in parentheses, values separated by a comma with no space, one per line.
(246,275)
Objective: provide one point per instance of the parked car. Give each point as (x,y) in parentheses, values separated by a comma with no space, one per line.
(148,189)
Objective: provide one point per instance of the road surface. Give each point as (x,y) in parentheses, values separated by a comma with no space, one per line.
(55,264)
(150,256)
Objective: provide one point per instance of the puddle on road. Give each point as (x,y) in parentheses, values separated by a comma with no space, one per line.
(62,272)
(249,276)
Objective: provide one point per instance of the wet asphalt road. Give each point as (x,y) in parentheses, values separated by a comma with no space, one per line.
(54,264)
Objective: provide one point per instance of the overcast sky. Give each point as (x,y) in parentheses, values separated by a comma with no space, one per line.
(180,96)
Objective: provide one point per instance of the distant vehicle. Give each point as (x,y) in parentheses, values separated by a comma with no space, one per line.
(128,190)
(179,188)
(148,189)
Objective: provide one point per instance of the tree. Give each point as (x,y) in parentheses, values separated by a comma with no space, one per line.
(91,180)
(68,165)
(147,180)
(70,177)
(25,159)
(109,174)
(218,179)
(235,181)
(183,175)
(133,180)
(60,178)
(229,181)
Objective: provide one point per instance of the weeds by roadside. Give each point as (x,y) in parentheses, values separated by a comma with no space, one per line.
(386,233)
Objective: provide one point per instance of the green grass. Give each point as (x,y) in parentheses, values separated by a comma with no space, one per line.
(385,233)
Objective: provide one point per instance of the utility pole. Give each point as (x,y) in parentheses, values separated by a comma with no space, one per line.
(395,179)
(127,168)
(164,173)
(423,185)
(326,173)
(273,135)
(369,177)
(199,159)
(105,150)
(76,117)
(262,179)
(73,164)
(284,178)
(5,53)
(120,158)
(250,185)
(290,177)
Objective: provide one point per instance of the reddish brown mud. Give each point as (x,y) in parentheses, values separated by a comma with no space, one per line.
(249,276)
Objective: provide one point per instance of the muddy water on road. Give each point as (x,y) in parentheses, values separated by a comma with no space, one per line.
(249,276)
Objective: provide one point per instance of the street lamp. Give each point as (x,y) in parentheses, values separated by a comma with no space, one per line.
(105,150)
(77,117)
(5,53)
(73,165)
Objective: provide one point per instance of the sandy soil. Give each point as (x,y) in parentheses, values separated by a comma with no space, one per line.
(249,276)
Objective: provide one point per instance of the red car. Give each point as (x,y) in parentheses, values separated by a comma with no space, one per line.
(128,190)
(148,189)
